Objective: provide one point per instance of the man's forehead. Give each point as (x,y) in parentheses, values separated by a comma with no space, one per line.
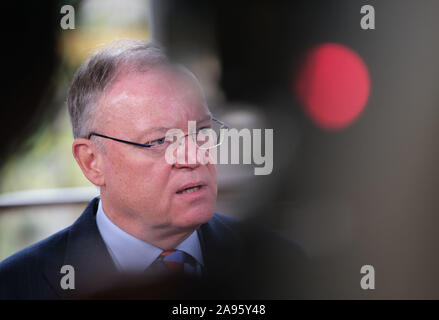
(136,89)
(165,128)
(157,100)
(157,79)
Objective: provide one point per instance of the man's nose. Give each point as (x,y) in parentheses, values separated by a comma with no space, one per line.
(191,151)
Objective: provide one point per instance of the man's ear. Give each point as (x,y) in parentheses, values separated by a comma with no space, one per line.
(89,158)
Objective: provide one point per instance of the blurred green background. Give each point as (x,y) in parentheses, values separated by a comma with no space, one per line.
(46,161)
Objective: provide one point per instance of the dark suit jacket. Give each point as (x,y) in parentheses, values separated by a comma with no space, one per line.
(238,264)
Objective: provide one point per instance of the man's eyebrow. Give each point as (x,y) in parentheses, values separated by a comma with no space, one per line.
(157,129)
(149,131)
(164,129)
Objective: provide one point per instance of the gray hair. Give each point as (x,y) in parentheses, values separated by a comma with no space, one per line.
(98,72)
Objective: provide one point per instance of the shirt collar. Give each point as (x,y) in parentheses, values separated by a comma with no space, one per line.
(132,254)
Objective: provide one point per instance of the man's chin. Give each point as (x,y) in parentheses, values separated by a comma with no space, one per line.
(194,218)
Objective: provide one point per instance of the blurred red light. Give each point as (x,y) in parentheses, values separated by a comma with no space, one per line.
(333,85)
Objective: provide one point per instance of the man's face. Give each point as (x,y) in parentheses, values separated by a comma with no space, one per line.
(139,183)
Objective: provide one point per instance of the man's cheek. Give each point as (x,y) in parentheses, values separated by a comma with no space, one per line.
(212,171)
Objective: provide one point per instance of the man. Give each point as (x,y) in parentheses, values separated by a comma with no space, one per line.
(152,216)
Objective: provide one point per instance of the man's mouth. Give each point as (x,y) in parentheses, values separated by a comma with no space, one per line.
(190,188)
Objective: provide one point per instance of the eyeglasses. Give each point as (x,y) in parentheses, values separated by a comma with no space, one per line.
(207,137)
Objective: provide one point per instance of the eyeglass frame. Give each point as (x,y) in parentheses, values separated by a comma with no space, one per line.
(223,126)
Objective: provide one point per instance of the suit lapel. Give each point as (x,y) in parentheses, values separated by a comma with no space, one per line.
(221,246)
(86,252)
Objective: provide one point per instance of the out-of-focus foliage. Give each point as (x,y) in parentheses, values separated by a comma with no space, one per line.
(46,160)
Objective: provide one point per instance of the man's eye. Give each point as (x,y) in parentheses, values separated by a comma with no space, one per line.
(158,141)
(203,129)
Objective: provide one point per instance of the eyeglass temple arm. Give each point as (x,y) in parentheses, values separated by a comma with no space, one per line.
(220,122)
(119,140)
